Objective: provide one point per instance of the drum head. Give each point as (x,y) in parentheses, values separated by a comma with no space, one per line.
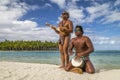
(77,63)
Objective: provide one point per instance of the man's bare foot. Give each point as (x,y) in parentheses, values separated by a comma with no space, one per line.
(62,67)
(66,69)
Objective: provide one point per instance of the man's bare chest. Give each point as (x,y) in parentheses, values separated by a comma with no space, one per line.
(79,43)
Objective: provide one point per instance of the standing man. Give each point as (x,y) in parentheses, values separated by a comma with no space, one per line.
(83,47)
(65,29)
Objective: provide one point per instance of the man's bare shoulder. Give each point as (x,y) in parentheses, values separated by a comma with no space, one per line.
(69,21)
(73,39)
(86,38)
(60,22)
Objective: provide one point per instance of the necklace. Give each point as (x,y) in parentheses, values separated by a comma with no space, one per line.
(63,23)
(79,37)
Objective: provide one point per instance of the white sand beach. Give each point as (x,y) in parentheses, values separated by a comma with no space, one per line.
(33,71)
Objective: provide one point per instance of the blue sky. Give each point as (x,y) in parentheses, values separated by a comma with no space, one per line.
(25,20)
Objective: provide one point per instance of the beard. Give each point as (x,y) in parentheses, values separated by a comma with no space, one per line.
(65,17)
(78,34)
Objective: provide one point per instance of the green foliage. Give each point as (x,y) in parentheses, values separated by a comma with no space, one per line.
(28,45)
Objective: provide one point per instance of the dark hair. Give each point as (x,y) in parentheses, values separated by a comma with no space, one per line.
(65,12)
(80,27)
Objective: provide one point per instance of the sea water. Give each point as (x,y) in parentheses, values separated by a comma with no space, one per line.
(100,59)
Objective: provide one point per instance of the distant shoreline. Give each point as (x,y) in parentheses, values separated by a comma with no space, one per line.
(58,50)
(29,50)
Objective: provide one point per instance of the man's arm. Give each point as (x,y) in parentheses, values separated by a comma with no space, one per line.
(70,29)
(90,48)
(71,47)
(55,29)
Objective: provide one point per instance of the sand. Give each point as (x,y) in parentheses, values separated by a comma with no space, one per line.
(33,71)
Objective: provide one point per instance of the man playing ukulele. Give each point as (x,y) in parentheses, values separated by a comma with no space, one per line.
(65,26)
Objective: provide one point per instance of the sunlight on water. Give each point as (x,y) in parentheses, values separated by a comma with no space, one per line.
(101,60)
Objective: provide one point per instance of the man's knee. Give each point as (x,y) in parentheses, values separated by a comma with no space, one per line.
(65,49)
(90,71)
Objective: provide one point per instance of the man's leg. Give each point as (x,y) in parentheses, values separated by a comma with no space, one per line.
(62,56)
(89,67)
(65,49)
(69,66)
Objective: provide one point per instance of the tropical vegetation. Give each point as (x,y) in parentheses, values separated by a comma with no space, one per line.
(28,45)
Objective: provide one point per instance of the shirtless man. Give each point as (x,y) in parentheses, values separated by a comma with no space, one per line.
(83,47)
(66,26)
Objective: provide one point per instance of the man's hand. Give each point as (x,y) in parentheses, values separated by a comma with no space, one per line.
(71,52)
(79,54)
(62,28)
(53,28)
(76,57)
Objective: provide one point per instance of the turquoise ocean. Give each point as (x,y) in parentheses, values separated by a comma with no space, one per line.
(108,59)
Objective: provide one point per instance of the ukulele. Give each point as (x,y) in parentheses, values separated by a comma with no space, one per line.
(58,29)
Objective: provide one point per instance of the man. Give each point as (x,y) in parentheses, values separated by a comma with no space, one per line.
(66,27)
(83,47)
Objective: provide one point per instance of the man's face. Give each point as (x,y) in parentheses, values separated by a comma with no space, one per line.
(78,32)
(64,16)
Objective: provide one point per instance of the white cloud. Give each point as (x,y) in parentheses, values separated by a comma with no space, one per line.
(105,43)
(60,3)
(48,5)
(97,11)
(88,30)
(104,12)
(48,34)
(117,2)
(12,12)
(12,28)
(101,40)
(23,25)
(4,2)
(113,17)
(76,13)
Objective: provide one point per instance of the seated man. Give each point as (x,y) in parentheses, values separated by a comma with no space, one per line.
(83,47)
